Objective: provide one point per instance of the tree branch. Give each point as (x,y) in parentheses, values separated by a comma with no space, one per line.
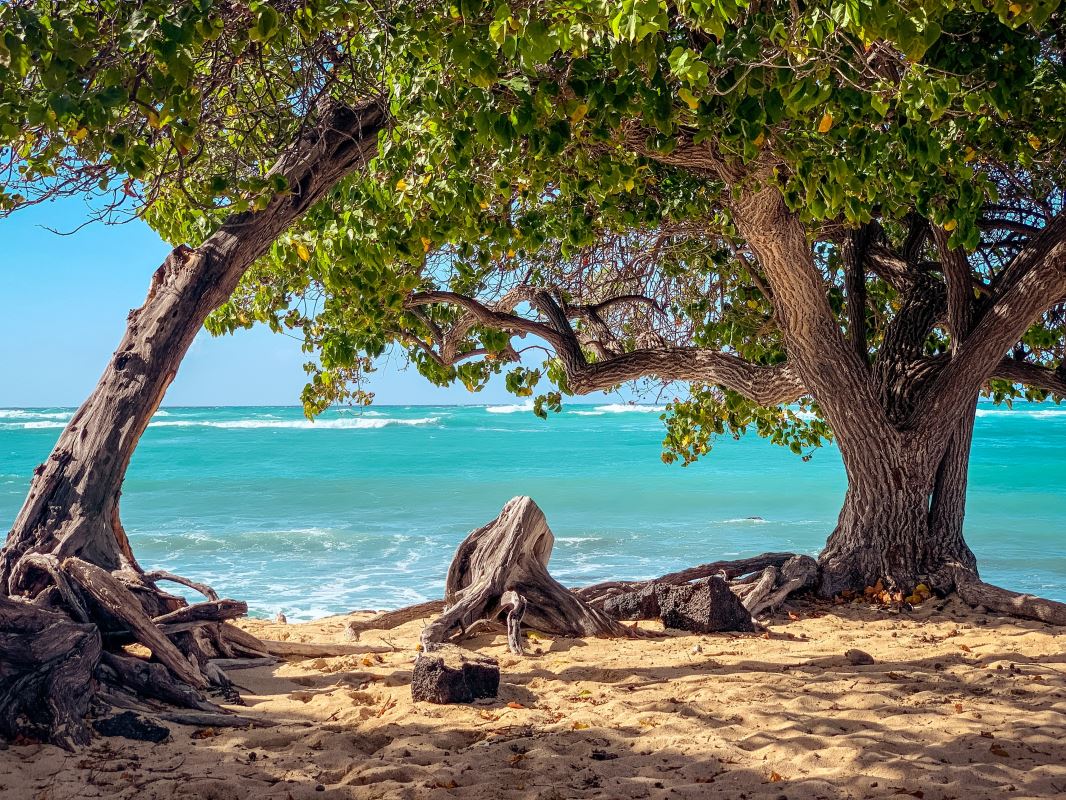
(1033,282)
(1031,375)
(765,385)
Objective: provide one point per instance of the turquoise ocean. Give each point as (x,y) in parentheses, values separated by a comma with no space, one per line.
(363,509)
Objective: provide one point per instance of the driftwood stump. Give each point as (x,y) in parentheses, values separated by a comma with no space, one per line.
(502,568)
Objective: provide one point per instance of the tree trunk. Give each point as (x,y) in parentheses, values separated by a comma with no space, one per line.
(886,530)
(72,507)
(67,548)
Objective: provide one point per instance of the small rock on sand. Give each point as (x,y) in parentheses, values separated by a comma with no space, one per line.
(858,658)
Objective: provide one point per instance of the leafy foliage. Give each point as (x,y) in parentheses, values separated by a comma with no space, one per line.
(576,158)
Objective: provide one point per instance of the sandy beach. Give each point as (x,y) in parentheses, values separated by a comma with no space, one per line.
(957,704)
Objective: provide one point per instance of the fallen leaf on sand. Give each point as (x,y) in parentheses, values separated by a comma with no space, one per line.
(580,726)
(513,704)
(775,778)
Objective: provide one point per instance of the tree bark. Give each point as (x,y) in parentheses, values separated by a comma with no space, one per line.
(68,549)
(503,567)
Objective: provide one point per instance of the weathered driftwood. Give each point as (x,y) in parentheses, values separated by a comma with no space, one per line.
(394,619)
(319,650)
(597,593)
(149,680)
(162,575)
(211,611)
(776,585)
(1015,604)
(46,663)
(120,603)
(509,556)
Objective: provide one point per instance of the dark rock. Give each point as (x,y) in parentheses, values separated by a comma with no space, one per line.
(641,604)
(706,606)
(603,755)
(131,726)
(450,675)
(858,658)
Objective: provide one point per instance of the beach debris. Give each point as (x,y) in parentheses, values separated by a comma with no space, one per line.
(449,674)
(502,569)
(280,619)
(858,658)
(707,606)
(131,726)
(704,606)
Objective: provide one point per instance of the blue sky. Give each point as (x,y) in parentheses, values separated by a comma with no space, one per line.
(67,301)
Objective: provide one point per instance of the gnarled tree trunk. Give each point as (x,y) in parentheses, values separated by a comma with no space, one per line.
(901,521)
(67,548)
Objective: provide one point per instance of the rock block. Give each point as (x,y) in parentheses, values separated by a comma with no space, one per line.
(706,606)
(450,675)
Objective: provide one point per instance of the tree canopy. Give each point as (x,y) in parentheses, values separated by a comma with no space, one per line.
(582,160)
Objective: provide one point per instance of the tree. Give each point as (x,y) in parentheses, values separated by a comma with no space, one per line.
(857,206)
(229,122)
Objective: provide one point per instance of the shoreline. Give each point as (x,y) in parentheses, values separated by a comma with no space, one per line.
(956,705)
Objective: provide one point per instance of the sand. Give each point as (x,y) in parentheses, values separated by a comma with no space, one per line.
(956,705)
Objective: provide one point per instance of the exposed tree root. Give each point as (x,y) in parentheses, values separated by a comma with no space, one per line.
(61,649)
(975,592)
(729,570)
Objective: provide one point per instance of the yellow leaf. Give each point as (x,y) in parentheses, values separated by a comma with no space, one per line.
(579,114)
(153,119)
(971,154)
(1034,141)
(690,99)
(401,185)
(425,244)
(1015,8)
(760,140)
(826,123)
(510,254)
(303,252)
(580,726)
(951,225)
(79,134)
(483,204)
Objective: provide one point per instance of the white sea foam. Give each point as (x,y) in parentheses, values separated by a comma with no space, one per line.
(512,409)
(322,424)
(26,426)
(589,413)
(19,413)
(623,408)
(749,520)
(1019,412)
(162,413)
